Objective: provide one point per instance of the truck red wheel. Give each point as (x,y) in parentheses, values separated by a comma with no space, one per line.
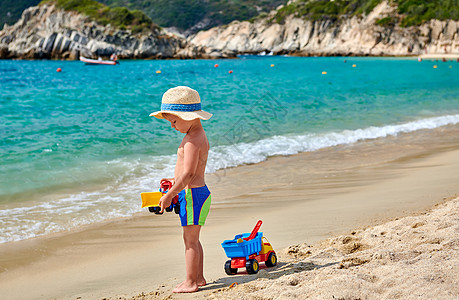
(228,269)
(252,266)
(272,260)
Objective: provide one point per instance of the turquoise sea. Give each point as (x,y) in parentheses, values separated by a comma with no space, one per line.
(74,141)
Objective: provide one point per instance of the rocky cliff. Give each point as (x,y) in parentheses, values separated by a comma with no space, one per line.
(47,32)
(357,35)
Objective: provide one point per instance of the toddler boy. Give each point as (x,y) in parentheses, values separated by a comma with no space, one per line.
(181,106)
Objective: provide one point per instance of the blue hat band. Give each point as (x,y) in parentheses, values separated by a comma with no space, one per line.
(181,107)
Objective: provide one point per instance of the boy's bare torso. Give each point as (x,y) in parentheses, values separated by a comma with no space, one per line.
(200,141)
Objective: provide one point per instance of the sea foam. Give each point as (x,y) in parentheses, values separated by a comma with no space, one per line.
(221,157)
(121,198)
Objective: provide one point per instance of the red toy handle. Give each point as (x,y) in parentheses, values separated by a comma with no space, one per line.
(166,186)
(254,231)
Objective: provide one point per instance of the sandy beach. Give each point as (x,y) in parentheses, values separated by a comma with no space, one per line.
(414,257)
(329,214)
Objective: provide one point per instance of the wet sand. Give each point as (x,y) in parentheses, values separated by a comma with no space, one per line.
(303,198)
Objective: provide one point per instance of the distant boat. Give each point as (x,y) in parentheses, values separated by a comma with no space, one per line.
(99,61)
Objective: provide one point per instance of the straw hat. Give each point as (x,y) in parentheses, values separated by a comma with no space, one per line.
(183,102)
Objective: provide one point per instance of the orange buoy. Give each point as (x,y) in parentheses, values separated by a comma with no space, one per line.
(216,65)
(354,65)
(58,70)
(158,72)
(272,65)
(230,71)
(435,66)
(324,73)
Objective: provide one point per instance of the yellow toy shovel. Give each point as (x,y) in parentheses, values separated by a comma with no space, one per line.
(150,199)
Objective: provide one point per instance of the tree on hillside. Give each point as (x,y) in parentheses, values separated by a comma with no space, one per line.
(11,11)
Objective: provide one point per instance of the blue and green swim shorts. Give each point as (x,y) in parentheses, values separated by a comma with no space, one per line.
(194,205)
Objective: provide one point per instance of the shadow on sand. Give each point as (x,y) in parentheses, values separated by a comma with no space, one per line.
(282,268)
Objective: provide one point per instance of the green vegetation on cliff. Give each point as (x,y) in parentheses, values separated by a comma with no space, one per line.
(418,11)
(325,9)
(10,11)
(120,17)
(412,12)
(185,14)
(182,14)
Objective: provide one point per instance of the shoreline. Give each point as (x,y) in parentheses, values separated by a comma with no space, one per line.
(447,56)
(331,196)
(39,207)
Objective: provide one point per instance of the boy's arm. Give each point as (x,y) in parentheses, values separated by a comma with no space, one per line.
(190,164)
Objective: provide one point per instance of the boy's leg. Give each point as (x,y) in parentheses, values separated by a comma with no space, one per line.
(201,279)
(193,252)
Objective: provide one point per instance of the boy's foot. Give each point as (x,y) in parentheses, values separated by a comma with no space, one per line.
(201,282)
(186,287)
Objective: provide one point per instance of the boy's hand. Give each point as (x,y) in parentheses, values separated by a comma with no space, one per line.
(164,202)
(172,180)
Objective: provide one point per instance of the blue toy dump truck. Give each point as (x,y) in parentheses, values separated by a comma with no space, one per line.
(247,251)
